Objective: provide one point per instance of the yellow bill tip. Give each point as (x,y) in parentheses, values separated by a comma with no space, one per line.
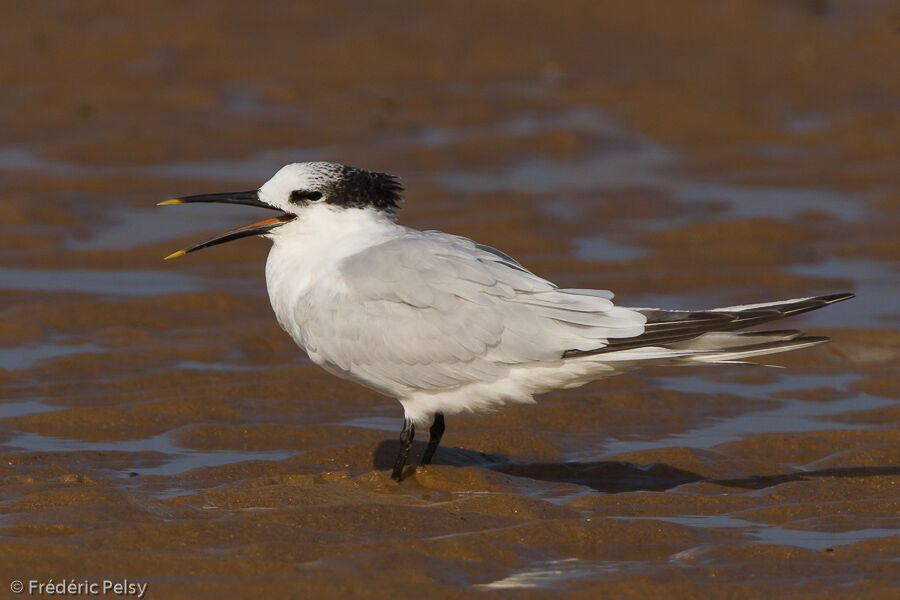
(175,255)
(172,201)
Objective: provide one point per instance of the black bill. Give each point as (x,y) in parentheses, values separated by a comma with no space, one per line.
(249,198)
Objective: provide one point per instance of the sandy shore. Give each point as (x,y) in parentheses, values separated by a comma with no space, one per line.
(157,426)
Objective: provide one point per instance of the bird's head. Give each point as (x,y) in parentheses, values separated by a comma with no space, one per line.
(298,186)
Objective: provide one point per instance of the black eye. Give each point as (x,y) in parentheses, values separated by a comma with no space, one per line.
(300,196)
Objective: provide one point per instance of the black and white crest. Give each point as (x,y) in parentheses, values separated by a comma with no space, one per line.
(358,188)
(352,187)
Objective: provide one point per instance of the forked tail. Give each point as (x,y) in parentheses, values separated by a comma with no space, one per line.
(712,336)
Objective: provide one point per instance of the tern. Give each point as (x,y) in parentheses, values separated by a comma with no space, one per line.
(447,325)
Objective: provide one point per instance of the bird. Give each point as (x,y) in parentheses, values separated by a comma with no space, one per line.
(447,325)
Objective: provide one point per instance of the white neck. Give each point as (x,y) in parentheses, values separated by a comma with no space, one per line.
(310,247)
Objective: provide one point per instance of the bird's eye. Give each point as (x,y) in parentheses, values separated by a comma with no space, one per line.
(301,196)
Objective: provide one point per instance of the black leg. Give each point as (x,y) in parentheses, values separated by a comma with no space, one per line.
(437,430)
(406,439)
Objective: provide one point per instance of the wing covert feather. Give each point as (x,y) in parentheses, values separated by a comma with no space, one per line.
(432,311)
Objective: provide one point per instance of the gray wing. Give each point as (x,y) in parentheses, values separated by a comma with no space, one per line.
(432,311)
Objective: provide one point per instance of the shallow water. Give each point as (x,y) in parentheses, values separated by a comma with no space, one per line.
(762,534)
(156,424)
(21,357)
(177,460)
(127,283)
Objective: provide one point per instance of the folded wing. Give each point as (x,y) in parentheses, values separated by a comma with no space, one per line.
(432,311)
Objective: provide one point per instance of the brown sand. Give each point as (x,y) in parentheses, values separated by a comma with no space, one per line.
(159,427)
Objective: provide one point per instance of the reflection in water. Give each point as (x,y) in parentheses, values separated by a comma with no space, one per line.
(780,203)
(784,382)
(23,357)
(550,574)
(628,160)
(125,283)
(776,535)
(26,407)
(792,416)
(639,162)
(391,424)
(251,168)
(131,227)
(602,249)
(256,167)
(220,366)
(177,460)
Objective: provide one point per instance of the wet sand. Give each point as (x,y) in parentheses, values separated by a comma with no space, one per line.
(157,426)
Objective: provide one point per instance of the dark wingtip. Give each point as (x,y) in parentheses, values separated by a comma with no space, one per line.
(832,298)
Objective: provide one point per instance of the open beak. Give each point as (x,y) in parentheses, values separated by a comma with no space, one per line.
(250,198)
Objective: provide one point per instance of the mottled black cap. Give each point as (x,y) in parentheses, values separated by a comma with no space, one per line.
(352,187)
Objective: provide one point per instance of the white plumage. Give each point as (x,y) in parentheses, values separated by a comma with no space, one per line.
(432,319)
(446,325)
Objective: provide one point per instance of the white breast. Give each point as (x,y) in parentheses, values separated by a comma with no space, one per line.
(306,252)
